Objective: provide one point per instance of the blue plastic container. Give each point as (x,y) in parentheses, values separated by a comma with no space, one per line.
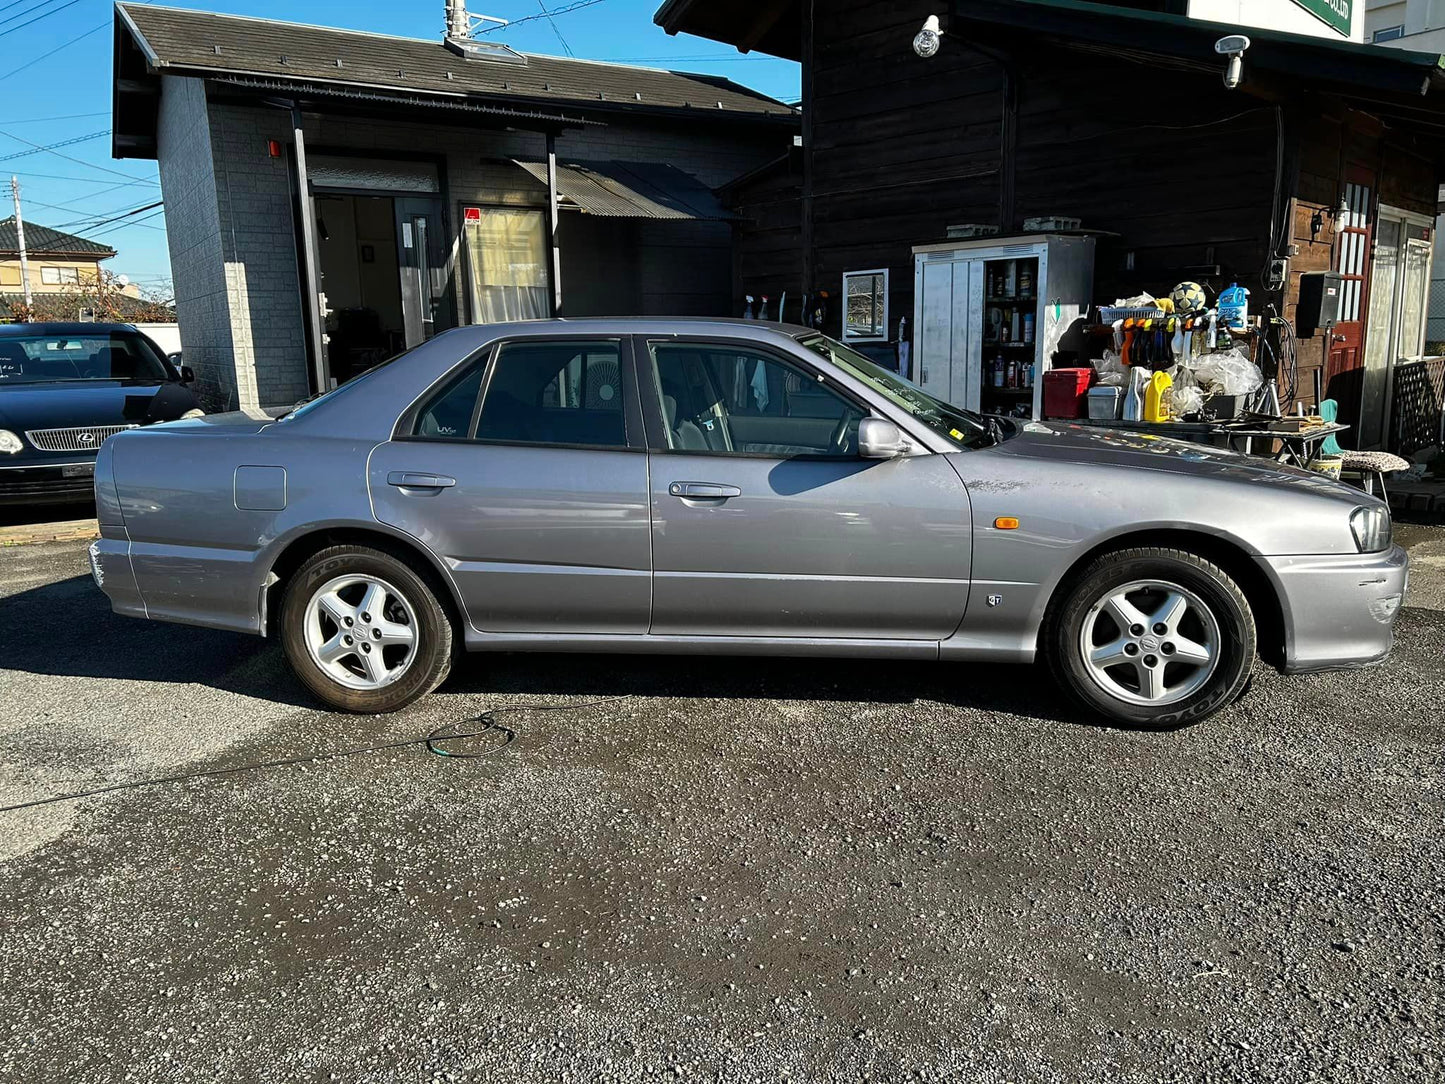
(1234,307)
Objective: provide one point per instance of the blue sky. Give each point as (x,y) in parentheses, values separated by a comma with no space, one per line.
(66,95)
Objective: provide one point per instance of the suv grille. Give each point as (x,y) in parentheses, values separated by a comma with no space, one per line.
(80,439)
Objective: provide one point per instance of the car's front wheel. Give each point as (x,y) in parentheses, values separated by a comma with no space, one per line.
(1155,638)
(363,631)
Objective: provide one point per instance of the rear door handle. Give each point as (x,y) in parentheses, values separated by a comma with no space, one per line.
(706,491)
(408,479)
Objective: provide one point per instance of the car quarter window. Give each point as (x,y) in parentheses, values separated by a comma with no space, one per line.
(727,399)
(538,392)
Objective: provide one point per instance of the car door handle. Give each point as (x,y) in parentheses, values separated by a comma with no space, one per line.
(707,491)
(408,479)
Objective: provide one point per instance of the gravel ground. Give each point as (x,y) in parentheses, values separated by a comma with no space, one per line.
(747,870)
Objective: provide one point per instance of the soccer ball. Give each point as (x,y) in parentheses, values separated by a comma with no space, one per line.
(1189,297)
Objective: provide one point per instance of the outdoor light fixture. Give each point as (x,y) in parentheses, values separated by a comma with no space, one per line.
(928,40)
(1233,47)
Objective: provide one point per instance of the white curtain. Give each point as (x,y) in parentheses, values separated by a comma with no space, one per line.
(507,260)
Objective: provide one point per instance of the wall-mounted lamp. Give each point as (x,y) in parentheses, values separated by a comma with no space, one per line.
(1234,47)
(929,40)
(1317,220)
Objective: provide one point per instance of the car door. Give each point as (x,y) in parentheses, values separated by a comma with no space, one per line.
(526,471)
(765,520)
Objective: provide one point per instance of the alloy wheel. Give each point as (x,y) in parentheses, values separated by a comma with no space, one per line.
(361,631)
(1150,642)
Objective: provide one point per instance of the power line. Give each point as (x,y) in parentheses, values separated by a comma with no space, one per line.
(37,148)
(81,180)
(72,207)
(128,214)
(124,225)
(22,14)
(45,15)
(69,158)
(64,116)
(543,14)
(541,4)
(100,218)
(52,52)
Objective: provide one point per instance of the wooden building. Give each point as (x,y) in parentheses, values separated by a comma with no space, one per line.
(1328,155)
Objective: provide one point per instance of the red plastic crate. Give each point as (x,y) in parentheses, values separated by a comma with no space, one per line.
(1066,391)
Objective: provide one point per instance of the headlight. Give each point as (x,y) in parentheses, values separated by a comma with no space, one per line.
(9,442)
(1371,527)
(194,412)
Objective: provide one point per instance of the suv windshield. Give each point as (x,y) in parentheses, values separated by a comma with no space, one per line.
(99,355)
(962,427)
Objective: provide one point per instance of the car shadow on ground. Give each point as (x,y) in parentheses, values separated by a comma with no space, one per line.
(67,629)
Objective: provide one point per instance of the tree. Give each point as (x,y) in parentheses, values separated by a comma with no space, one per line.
(102,301)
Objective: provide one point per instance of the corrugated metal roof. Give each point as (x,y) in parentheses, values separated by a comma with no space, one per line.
(43,241)
(616,189)
(203,42)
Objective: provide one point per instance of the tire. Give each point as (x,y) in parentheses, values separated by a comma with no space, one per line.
(326,617)
(1138,675)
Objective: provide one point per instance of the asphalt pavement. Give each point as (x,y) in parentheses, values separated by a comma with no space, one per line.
(741,870)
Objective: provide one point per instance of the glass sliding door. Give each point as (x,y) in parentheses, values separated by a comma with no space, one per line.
(1399,291)
(507,264)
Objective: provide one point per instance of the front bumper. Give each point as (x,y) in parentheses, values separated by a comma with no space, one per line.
(1339,611)
(69,481)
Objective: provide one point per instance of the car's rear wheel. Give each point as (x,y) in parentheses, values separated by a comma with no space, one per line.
(363,631)
(1152,638)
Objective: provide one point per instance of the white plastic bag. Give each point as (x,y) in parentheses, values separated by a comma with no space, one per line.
(1111,371)
(1229,374)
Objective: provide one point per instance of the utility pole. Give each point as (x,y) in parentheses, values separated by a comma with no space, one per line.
(20,243)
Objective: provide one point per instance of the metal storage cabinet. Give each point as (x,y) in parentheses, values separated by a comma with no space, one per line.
(1009,299)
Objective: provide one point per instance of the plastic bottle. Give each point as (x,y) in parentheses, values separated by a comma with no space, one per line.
(1158,398)
(1234,307)
(1133,402)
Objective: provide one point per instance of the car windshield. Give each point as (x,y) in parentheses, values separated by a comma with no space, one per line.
(99,355)
(963,427)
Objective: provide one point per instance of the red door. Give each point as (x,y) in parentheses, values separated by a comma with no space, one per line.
(1354,236)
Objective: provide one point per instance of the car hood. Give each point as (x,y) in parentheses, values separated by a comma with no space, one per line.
(97,403)
(1097,446)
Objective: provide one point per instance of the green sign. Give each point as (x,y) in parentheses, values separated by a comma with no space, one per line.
(1336,13)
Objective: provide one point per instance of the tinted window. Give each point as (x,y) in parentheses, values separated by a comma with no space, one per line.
(723,399)
(34,359)
(449,415)
(555,393)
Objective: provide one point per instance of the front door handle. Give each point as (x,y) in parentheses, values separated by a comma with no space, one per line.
(408,479)
(704,491)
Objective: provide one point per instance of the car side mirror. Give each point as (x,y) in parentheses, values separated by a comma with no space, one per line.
(188,375)
(881,439)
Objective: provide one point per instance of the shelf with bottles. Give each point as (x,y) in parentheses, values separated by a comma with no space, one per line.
(1022,391)
(1010,344)
(1012,299)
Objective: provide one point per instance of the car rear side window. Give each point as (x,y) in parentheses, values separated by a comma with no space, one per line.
(560,392)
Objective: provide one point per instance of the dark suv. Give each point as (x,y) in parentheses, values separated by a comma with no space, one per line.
(65,388)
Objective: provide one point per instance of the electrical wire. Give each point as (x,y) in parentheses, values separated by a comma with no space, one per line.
(543,14)
(69,158)
(92,222)
(52,52)
(36,148)
(63,116)
(541,4)
(431,741)
(38,18)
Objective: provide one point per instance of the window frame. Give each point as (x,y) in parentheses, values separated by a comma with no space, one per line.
(656,426)
(1388,33)
(486,358)
(849,337)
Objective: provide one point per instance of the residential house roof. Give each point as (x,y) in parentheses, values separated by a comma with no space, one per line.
(43,241)
(265,54)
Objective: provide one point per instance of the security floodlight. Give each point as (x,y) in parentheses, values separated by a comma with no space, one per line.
(929,39)
(1233,47)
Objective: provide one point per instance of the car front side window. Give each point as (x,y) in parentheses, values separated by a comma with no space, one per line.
(727,399)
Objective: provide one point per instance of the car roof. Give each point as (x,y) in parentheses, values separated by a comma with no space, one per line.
(62,327)
(631,325)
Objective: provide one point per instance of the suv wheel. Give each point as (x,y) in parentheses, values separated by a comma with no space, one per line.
(1152,638)
(363,631)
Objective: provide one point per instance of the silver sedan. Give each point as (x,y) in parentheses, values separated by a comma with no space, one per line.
(730,487)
